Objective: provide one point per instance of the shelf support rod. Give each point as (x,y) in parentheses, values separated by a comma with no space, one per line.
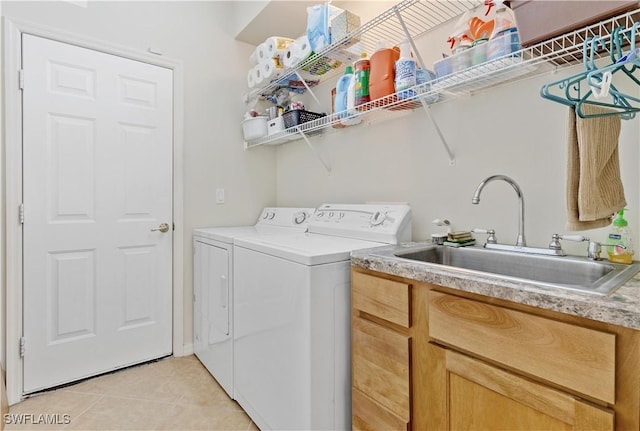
(314,150)
(304,82)
(409,38)
(427,109)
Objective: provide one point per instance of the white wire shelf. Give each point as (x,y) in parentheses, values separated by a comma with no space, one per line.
(562,51)
(417,16)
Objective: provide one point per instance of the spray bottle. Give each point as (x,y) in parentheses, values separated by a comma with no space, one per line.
(504,38)
(619,243)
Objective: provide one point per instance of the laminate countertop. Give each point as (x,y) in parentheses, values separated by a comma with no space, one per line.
(621,307)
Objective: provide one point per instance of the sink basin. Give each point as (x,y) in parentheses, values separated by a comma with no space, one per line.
(599,277)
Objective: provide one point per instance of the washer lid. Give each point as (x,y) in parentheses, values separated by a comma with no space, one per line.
(306,249)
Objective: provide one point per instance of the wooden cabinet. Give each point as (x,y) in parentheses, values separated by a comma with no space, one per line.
(469,393)
(381,352)
(426,357)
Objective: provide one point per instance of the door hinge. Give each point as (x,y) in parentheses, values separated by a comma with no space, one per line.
(22,346)
(21,213)
(21,79)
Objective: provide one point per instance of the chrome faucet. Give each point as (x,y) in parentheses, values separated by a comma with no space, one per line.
(520,241)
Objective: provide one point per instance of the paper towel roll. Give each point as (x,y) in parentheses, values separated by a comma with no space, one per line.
(277,46)
(253,58)
(257,75)
(261,53)
(251,81)
(290,58)
(303,47)
(297,51)
(271,70)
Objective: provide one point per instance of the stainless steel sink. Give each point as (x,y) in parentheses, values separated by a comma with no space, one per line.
(600,277)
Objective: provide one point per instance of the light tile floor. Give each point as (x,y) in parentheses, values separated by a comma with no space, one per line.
(170,394)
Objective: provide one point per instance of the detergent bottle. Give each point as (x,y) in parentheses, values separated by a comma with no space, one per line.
(382,73)
(342,91)
(362,69)
(405,72)
(619,243)
(352,96)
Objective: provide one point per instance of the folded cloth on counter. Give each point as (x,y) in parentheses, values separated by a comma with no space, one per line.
(594,188)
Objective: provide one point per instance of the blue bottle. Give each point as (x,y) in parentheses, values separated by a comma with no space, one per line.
(342,91)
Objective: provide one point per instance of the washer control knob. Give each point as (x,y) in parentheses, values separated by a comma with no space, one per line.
(272,215)
(331,213)
(265,215)
(300,217)
(377,218)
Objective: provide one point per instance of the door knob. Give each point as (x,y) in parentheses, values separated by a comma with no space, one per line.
(164,227)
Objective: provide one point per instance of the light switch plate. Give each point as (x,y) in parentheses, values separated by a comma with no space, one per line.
(219,196)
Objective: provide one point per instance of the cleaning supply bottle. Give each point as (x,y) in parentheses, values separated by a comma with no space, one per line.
(342,90)
(351,119)
(362,69)
(405,72)
(382,73)
(504,39)
(619,243)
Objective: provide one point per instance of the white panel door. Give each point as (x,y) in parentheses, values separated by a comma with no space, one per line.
(97,157)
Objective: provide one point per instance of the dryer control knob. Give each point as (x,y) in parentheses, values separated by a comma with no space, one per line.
(377,218)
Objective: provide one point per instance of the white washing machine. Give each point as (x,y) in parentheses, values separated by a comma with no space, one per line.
(292,324)
(213,285)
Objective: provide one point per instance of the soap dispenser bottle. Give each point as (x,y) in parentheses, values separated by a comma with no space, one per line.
(619,243)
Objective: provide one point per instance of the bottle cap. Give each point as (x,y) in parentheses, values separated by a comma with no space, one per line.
(619,220)
(348,70)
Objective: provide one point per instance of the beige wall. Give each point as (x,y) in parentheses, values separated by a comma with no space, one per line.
(199,34)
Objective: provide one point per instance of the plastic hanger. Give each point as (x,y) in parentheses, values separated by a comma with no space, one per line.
(567,90)
(599,81)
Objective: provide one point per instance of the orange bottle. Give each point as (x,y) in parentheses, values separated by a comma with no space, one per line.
(382,74)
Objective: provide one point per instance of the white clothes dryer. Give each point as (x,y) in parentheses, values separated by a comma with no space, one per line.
(213,285)
(292,324)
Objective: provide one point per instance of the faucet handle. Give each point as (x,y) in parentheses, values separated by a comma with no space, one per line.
(555,240)
(576,238)
(491,239)
(593,251)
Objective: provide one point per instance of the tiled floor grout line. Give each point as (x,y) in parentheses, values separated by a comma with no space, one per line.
(85,410)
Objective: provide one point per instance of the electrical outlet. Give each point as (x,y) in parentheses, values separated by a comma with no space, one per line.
(219,196)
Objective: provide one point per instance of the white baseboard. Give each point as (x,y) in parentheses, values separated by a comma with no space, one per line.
(187,349)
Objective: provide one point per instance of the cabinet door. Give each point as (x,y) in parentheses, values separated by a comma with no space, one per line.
(465,393)
(371,416)
(381,365)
